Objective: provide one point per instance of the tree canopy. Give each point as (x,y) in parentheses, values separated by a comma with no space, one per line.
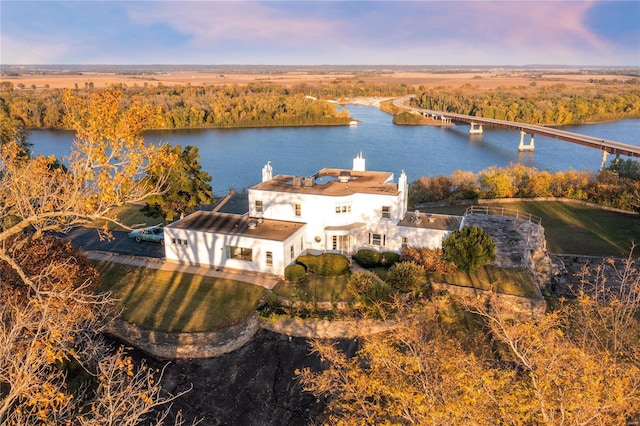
(576,365)
(186,184)
(54,366)
(551,105)
(469,248)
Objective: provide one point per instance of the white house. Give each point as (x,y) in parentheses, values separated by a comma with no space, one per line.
(334,210)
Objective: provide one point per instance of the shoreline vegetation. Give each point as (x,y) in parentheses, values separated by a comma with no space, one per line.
(267,97)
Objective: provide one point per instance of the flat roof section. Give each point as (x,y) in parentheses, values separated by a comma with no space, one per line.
(441,222)
(333,182)
(238,203)
(238,225)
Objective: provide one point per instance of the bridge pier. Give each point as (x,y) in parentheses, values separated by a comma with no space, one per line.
(475,131)
(605,154)
(526,147)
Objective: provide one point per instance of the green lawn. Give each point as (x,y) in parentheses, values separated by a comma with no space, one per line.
(175,301)
(572,228)
(315,287)
(514,281)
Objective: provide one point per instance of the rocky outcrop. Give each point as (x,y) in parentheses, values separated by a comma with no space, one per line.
(519,243)
(324,329)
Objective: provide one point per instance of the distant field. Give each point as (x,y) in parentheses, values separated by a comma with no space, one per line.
(572,228)
(484,79)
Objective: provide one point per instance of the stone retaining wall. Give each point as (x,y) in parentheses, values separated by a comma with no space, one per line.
(206,345)
(185,345)
(506,304)
(323,329)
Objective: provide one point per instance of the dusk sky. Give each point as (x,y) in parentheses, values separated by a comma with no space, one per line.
(601,33)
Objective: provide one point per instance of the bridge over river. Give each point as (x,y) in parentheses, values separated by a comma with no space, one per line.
(476,123)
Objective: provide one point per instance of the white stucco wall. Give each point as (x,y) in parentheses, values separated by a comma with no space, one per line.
(319,212)
(421,237)
(205,248)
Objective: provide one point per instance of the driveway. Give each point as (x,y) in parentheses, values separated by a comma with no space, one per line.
(88,239)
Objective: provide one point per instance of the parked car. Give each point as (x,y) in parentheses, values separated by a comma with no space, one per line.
(152,233)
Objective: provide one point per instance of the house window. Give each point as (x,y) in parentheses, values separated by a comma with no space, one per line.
(259,206)
(239,253)
(179,242)
(343,208)
(386,212)
(405,242)
(334,242)
(292,253)
(301,244)
(377,239)
(269,257)
(298,209)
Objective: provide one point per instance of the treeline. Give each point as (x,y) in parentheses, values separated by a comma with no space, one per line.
(551,105)
(617,186)
(253,105)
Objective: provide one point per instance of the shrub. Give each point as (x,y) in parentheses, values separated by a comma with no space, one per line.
(368,258)
(294,272)
(389,258)
(369,292)
(327,264)
(406,276)
(469,248)
(432,259)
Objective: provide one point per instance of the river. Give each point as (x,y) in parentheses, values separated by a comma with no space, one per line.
(234,157)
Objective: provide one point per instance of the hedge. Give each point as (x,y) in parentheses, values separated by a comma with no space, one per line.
(368,258)
(327,264)
(294,272)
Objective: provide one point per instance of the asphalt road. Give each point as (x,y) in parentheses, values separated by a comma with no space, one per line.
(88,239)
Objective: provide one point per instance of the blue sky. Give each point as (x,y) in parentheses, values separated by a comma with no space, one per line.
(602,33)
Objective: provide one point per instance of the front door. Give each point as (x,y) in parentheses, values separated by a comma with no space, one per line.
(341,243)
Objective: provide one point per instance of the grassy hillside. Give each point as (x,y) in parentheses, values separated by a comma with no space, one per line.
(574,228)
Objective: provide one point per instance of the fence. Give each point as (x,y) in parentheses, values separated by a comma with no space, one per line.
(501,211)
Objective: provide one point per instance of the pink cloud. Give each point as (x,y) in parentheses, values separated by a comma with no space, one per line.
(217,22)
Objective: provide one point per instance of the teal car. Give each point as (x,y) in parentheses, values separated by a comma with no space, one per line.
(152,233)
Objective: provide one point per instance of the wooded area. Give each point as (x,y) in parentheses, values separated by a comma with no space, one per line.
(187,106)
(557,104)
(618,186)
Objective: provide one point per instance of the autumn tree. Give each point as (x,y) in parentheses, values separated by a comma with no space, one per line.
(576,365)
(12,130)
(580,362)
(431,258)
(418,373)
(186,185)
(54,366)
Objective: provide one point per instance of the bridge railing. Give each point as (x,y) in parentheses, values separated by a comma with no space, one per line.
(501,211)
